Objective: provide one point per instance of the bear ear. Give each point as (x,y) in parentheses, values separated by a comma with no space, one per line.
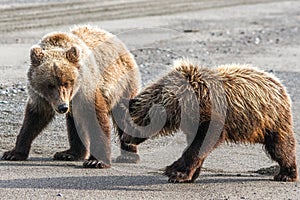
(36,55)
(73,54)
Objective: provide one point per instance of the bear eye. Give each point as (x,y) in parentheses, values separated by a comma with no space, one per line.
(51,86)
(66,84)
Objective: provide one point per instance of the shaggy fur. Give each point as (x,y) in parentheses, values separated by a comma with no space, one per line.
(82,73)
(233,103)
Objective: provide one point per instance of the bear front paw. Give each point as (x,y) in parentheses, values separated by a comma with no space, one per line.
(179,172)
(128,158)
(179,177)
(14,156)
(68,156)
(95,164)
(176,176)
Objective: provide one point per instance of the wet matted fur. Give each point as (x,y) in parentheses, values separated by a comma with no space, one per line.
(233,103)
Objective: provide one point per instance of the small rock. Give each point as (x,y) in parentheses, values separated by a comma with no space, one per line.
(3,92)
(190,30)
(203,43)
(60,195)
(257,40)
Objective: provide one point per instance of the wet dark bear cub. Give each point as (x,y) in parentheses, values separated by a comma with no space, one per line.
(232,103)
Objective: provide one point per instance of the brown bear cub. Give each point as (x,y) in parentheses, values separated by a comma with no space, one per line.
(232,103)
(83,74)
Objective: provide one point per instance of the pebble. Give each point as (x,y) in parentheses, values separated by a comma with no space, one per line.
(190,30)
(14,91)
(257,40)
(60,195)
(3,92)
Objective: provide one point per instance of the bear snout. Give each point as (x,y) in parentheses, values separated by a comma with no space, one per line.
(63,108)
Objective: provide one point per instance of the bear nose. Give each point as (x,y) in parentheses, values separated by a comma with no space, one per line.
(63,108)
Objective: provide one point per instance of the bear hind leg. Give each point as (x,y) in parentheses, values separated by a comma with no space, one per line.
(129,152)
(129,149)
(282,150)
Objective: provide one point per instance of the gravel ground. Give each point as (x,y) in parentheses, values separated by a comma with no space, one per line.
(265,34)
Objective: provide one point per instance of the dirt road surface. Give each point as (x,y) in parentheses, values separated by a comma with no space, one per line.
(264,33)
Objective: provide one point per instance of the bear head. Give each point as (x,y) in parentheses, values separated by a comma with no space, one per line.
(54,74)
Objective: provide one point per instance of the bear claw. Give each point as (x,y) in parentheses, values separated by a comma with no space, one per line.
(98,164)
(285,178)
(67,156)
(13,156)
(178,172)
(179,177)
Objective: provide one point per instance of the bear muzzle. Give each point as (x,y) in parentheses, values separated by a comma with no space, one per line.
(63,108)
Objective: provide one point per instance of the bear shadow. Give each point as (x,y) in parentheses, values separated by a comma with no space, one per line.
(129,183)
(232,178)
(86,183)
(113,182)
(96,182)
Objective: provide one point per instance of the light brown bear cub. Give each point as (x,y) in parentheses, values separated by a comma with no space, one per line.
(231,103)
(83,74)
